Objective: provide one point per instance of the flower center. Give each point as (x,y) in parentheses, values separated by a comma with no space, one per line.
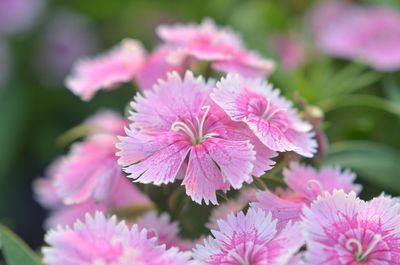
(244,259)
(354,245)
(195,131)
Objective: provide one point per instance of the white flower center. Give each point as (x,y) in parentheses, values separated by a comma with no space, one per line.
(354,245)
(196,132)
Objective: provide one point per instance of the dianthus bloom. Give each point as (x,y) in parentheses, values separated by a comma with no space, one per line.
(124,195)
(340,228)
(166,231)
(91,170)
(368,34)
(155,67)
(103,241)
(305,184)
(250,239)
(178,132)
(270,116)
(220,46)
(106,71)
(291,51)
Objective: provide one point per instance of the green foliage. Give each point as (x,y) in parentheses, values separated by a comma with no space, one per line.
(15,251)
(376,163)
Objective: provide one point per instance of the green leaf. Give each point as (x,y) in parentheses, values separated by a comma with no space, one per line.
(362,100)
(391,90)
(376,163)
(15,251)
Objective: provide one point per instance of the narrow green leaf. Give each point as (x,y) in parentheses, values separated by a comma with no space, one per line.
(376,163)
(391,90)
(15,251)
(360,100)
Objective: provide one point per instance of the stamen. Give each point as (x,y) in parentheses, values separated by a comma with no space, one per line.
(361,255)
(178,125)
(194,132)
(203,119)
(317,183)
(238,258)
(356,242)
(210,135)
(371,246)
(272,114)
(265,113)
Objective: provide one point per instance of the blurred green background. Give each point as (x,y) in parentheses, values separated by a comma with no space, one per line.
(361,106)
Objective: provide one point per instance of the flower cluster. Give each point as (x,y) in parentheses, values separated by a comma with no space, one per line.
(207,135)
(368,34)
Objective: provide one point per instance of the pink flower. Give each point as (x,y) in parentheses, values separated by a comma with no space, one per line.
(91,170)
(305,184)
(106,121)
(178,132)
(342,229)
(250,239)
(291,51)
(106,71)
(102,241)
(166,232)
(44,191)
(221,46)
(155,67)
(270,116)
(368,34)
(125,194)
(222,211)
(333,38)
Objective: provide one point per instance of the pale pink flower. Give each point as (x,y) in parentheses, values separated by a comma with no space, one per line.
(44,191)
(90,170)
(155,67)
(270,116)
(340,228)
(178,132)
(106,121)
(220,46)
(250,239)
(335,38)
(105,241)
(290,50)
(125,194)
(166,232)
(366,33)
(235,205)
(305,184)
(106,71)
